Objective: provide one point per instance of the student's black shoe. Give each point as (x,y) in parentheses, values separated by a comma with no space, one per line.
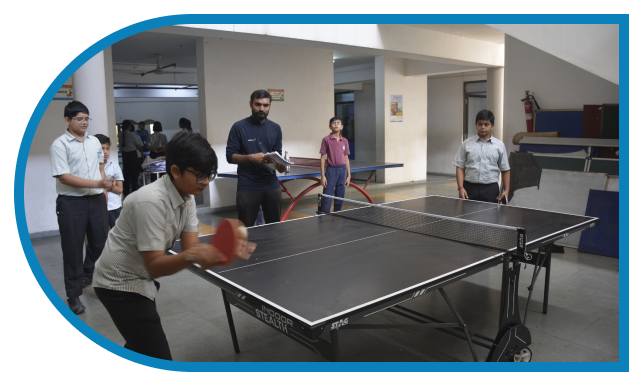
(86,281)
(75,305)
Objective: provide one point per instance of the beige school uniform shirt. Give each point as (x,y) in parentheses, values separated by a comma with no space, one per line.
(68,155)
(151,220)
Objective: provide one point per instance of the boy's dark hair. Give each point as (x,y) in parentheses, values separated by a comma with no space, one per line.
(185,123)
(335,119)
(103,139)
(126,124)
(157,126)
(485,114)
(73,108)
(191,150)
(261,94)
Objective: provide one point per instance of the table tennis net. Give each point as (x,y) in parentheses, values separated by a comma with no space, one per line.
(492,236)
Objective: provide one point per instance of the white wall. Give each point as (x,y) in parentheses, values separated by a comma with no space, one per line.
(234,69)
(167,111)
(556,84)
(405,141)
(39,185)
(593,47)
(445,120)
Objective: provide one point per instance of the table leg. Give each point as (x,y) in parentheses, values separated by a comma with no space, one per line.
(461,323)
(336,351)
(547,280)
(230,321)
(512,336)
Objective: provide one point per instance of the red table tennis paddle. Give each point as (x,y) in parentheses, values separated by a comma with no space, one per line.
(227,237)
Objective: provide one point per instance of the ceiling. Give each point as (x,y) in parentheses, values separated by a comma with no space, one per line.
(142,48)
(471,31)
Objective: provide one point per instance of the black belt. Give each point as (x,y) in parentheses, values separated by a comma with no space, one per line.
(81,197)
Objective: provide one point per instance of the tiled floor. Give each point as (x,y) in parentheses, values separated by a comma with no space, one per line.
(581,325)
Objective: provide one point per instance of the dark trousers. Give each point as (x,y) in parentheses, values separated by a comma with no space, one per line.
(136,317)
(249,203)
(335,176)
(482,192)
(113,216)
(130,171)
(79,217)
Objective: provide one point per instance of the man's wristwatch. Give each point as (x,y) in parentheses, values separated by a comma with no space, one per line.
(191,255)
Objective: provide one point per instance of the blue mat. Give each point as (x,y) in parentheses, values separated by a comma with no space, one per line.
(569,124)
(602,239)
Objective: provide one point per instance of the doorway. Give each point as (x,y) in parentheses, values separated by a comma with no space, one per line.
(344,109)
(475,100)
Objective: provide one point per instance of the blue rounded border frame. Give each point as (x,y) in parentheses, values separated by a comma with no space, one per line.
(301,19)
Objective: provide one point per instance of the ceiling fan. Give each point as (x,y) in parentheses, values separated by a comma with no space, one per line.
(158,69)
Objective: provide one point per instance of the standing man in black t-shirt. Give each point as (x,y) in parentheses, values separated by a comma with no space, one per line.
(249,139)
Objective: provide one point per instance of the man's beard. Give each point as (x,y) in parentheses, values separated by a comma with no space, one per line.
(260,115)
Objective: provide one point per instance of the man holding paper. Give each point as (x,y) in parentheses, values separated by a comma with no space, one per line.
(248,142)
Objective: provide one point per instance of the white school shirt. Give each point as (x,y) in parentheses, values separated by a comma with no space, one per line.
(112,170)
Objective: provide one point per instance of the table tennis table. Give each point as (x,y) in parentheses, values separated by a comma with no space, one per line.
(314,277)
(309,169)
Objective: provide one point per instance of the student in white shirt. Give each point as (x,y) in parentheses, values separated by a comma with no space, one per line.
(157,141)
(112,170)
(78,167)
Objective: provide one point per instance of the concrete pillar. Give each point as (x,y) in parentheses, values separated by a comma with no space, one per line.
(90,88)
(381,113)
(203,53)
(203,60)
(109,95)
(495,99)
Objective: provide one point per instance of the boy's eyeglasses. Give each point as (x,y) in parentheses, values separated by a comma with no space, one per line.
(82,119)
(201,177)
(337,123)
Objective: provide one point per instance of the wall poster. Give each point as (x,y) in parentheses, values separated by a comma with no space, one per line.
(65,93)
(277,94)
(396,108)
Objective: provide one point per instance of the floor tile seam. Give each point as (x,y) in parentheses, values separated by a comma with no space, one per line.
(613,353)
(563,342)
(190,307)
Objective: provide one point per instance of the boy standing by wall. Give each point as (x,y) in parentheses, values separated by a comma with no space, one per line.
(336,177)
(479,162)
(112,170)
(78,165)
(143,134)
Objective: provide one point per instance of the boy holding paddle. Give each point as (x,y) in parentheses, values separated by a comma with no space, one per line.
(152,220)
(480,161)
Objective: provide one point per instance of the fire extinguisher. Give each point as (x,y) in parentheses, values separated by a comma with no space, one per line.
(528,110)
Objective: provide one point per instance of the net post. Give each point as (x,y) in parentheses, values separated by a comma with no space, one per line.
(521,245)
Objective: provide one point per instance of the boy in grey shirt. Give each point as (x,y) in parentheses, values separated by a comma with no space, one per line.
(152,219)
(480,161)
